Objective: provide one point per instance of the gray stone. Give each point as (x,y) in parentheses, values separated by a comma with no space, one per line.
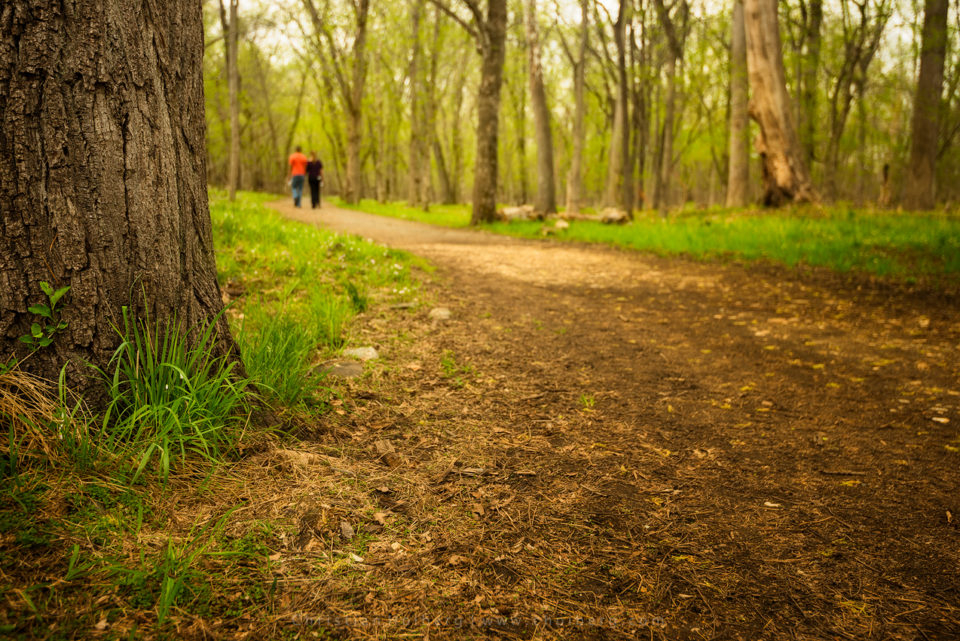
(361,353)
(344,369)
(440,314)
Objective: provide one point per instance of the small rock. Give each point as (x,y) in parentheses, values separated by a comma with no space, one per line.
(346,530)
(344,369)
(384,447)
(361,353)
(440,314)
(611,216)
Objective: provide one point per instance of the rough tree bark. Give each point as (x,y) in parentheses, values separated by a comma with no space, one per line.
(785,174)
(919,191)
(546,199)
(231,31)
(102,175)
(738,178)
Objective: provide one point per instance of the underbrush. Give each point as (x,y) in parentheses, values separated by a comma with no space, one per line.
(106,524)
(904,245)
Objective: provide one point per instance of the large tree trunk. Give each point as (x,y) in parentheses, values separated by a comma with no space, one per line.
(546,199)
(575,174)
(492,45)
(920,188)
(102,175)
(738,178)
(231,30)
(785,174)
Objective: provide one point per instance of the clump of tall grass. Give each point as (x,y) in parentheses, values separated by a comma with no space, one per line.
(170,397)
(278,352)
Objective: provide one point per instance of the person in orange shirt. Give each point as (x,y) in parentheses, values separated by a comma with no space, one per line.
(298,172)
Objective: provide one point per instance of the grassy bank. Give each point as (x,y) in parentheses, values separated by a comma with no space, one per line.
(906,246)
(136,523)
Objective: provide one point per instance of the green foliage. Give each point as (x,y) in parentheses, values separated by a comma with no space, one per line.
(48,323)
(170,397)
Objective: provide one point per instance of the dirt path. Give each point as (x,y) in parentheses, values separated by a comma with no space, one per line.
(689,450)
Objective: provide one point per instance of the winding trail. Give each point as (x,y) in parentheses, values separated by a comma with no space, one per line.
(744,452)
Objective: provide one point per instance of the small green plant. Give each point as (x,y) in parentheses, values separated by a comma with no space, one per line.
(453,370)
(358,298)
(587,401)
(48,323)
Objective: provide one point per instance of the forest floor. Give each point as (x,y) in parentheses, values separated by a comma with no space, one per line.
(604,444)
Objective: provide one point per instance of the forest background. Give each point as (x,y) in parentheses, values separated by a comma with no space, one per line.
(398,83)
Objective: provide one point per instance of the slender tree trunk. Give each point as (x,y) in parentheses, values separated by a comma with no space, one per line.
(546,199)
(617,181)
(785,174)
(738,178)
(102,176)
(662,193)
(575,174)
(920,190)
(493,40)
(355,108)
(810,74)
(418,133)
(231,31)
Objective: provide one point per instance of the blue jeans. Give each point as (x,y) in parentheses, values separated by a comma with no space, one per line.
(296,185)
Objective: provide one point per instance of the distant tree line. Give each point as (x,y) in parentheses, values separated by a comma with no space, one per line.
(633,104)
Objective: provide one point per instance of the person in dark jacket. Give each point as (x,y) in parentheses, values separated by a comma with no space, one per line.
(315,179)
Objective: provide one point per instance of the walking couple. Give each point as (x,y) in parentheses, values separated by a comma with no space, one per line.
(311,170)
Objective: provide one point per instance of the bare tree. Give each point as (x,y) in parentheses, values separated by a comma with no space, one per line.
(738,179)
(419,163)
(785,174)
(920,187)
(546,200)
(490,32)
(675,42)
(350,78)
(861,39)
(102,177)
(619,187)
(231,30)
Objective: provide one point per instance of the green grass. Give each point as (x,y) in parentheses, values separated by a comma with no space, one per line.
(906,246)
(302,286)
(97,512)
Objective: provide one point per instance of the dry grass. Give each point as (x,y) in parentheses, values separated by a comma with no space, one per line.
(30,405)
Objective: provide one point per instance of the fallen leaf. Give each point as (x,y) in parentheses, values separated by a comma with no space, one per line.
(346,530)
(380,517)
(477,509)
